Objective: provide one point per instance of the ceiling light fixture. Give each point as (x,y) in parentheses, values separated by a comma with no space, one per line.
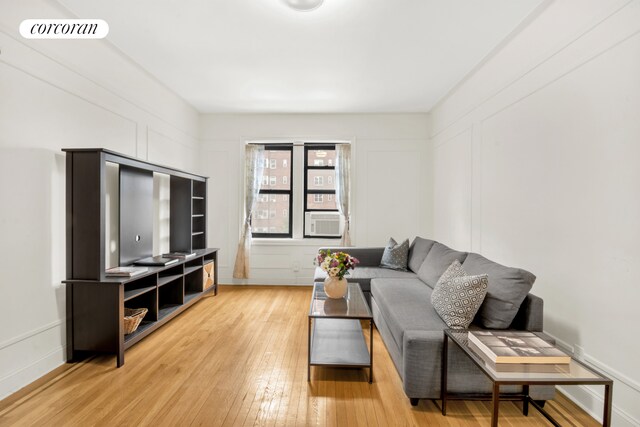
(303,5)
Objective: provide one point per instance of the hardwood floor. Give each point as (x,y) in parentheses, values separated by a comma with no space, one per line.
(240,359)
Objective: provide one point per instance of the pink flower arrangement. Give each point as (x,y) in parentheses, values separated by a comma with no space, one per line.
(336,264)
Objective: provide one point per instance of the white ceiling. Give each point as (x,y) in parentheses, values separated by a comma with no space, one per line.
(346,56)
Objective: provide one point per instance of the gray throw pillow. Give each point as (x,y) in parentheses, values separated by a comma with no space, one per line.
(457,296)
(395,255)
(508,287)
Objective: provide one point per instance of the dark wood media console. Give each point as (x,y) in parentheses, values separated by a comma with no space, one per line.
(97,306)
(95,302)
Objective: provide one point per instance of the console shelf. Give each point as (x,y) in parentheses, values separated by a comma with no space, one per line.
(136,292)
(96,302)
(163,280)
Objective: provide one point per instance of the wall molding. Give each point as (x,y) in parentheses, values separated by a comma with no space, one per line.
(543,59)
(191,144)
(30,334)
(449,138)
(48,57)
(140,68)
(597,415)
(559,77)
(65,90)
(605,369)
(597,364)
(512,35)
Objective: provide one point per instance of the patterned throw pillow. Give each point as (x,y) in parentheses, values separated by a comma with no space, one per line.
(395,255)
(457,297)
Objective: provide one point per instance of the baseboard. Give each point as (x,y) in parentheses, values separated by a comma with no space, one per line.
(20,378)
(268,282)
(31,355)
(591,398)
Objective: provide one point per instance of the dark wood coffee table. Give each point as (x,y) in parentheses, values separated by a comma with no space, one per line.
(335,335)
(575,373)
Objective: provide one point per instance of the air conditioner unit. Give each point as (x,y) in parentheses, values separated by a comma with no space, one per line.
(327,224)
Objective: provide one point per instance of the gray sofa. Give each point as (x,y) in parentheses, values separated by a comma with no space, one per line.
(412,330)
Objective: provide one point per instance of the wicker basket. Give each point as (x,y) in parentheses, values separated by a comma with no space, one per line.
(132,319)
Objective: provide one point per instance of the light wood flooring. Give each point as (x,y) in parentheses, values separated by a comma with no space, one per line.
(240,359)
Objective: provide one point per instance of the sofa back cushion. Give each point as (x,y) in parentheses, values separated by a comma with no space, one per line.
(437,261)
(418,252)
(508,287)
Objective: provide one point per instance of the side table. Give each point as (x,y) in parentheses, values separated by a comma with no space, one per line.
(575,373)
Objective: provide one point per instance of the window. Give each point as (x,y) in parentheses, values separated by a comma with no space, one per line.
(297,180)
(275,195)
(319,196)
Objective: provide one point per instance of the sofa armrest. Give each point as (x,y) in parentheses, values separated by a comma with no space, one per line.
(530,315)
(368,257)
(422,361)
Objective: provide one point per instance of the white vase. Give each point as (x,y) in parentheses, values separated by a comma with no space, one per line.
(335,287)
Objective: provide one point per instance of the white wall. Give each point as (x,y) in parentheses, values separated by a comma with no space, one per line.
(56,94)
(536,165)
(390,171)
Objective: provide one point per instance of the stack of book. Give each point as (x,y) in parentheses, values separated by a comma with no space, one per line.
(513,351)
(156,261)
(179,255)
(125,271)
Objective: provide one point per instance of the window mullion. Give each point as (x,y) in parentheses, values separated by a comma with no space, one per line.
(298,191)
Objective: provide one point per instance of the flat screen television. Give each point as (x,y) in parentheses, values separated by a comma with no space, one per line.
(136,214)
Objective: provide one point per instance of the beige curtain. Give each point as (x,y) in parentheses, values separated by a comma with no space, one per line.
(343,189)
(254,166)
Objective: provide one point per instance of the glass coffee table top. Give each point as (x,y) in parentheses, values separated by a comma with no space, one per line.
(352,306)
(557,374)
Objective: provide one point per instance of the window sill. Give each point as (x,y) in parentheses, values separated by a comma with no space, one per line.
(295,242)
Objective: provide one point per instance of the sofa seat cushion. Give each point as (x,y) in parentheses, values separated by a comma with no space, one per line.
(508,287)
(363,275)
(437,261)
(405,305)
